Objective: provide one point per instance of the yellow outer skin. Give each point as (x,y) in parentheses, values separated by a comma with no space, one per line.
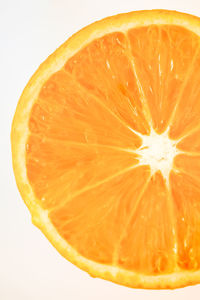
(20,133)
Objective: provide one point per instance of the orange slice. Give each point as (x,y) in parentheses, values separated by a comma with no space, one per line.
(106,149)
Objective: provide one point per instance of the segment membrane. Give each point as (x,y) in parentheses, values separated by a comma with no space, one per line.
(188,164)
(162,56)
(186,195)
(191,142)
(93,221)
(148,244)
(104,68)
(66,111)
(187,112)
(57,170)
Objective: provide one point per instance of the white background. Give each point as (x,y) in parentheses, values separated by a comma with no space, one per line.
(30,268)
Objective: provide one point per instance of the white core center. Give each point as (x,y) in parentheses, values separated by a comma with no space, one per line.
(158,151)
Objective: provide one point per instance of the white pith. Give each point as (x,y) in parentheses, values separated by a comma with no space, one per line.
(158,151)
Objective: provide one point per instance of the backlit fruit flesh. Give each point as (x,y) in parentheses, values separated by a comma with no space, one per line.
(106,149)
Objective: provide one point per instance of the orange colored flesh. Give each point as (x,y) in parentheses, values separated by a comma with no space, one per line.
(78,161)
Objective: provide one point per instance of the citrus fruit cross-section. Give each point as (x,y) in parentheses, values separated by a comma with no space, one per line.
(106,149)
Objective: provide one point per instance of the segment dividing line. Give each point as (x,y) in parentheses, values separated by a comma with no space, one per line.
(190,132)
(86,144)
(107,179)
(173,223)
(185,81)
(123,233)
(189,153)
(81,86)
(100,182)
(146,109)
(178,170)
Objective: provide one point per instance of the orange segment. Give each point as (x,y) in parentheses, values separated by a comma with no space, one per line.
(104,68)
(59,169)
(162,56)
(186,194)
(92,221)
(151,225)
(66,111)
